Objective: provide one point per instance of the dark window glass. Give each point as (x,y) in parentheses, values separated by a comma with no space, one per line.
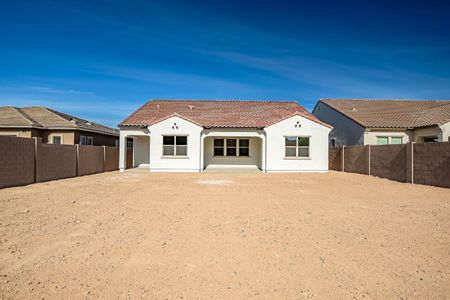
(218,152)
(291,141)
(231,151)
(57,140)
(243,151)
(303,141)
(303,151)
(231,143)
(218,142)
(290,152)
(243,143)
(168,140)
(168,150)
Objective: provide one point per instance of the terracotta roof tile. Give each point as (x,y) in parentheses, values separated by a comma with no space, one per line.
(218,113)
(393,113)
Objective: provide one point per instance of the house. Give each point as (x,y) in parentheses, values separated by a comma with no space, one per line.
(192,135)
(380,122)
(54,127)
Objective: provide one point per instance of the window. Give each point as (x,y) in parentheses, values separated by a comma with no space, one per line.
(219,149)
(430,139)
(396,140)
(174,145)
(297,146)
(244,145)
(83,140)
(57,139)
(129,143)
(389,140)
(231,147)
(382,140)
(90,140)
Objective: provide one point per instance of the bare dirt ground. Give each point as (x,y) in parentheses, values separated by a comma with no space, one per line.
(219,235)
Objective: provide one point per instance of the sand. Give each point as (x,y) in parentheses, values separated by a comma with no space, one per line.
(224,235)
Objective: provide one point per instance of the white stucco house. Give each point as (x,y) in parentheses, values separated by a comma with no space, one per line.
(381,122)
(194,135)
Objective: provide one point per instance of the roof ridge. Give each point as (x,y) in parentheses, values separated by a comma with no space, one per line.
(28,117)
(226,100)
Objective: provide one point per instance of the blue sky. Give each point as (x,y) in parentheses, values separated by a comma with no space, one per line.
(101,60)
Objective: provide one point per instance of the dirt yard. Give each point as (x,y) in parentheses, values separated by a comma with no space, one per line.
(218,235)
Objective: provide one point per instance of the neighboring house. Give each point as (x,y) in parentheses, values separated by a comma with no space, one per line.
(191,135)
(375,122)
(54,127)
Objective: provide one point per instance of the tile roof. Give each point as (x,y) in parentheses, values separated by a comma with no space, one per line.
(218,113)
(45,118)
(393,113)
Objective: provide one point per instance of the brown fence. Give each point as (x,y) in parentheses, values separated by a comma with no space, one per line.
(424,163)
(28,160)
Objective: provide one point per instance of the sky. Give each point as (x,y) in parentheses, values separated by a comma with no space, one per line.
(101,60)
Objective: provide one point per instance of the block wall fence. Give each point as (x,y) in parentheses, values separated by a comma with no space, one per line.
(28,160)
(421,163)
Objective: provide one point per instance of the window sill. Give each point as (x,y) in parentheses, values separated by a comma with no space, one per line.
(297,158)
(174,157)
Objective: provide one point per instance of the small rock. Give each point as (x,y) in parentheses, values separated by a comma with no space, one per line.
(73,201)
(24,211)
(122,213)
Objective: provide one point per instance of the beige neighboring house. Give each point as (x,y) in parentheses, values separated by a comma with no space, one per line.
(380,122)
(54,127)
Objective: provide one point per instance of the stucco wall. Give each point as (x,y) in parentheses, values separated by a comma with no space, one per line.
(68,137)
(191,163)
(345,131)
(370,137)
(141,149)
(420,133)
(445,128)
(275,136)
(254,158)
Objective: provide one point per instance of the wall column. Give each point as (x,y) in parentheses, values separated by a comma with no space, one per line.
(202,151)
(263,153)
(122,152)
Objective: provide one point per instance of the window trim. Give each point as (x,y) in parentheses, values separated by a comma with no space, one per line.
(296,157)
(175,156)
(237,147)
(60,136)
(90,138)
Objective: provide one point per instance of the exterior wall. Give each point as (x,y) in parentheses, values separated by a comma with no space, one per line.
(99,139)
(254,158)
(125,155)
(345,132)
(370,136)
(19,132)
(191,163)
(432,164)
(275,143)
(17,164)
(141,147)
(389,161)
(111,159)
(445,132)
(68,137)
(420,133)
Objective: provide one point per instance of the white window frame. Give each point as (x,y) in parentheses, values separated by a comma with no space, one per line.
(90,141)
(297,146)
(60,136)
(389,139)
(175,146)
(225,154)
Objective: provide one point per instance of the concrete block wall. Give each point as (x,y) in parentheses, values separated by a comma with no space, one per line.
(17,165)
(28,160)
(422,163)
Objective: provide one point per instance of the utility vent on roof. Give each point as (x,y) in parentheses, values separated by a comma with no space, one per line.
(191,106)
(73,121)
(88,123)
(353,109)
